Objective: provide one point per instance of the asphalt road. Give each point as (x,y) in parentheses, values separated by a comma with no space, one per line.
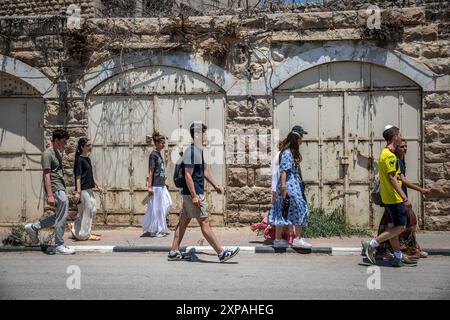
(248,276)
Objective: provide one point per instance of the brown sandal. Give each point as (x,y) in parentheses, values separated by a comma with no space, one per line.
(94,238)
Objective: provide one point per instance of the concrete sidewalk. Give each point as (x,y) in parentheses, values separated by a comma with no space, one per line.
(130,239)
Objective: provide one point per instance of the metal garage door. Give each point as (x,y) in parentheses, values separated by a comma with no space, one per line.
(124,111)
(21,145)
(344,107)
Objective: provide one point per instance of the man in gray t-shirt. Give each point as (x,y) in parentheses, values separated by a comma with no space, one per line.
(52,161)
(55,190)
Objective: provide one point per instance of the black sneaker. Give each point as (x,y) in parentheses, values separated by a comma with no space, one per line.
(227,254)
(178,256)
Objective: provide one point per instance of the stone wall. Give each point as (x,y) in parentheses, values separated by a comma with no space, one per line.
(437,160)
(249,48)
(13,8)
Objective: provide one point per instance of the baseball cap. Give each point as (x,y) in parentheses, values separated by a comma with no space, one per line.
(299,130)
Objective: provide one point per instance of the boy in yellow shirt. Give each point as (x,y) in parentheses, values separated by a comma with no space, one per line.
(394,199)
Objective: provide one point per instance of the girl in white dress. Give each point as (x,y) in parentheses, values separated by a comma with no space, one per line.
(159,202)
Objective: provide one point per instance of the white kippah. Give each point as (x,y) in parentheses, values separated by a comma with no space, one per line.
(387,127)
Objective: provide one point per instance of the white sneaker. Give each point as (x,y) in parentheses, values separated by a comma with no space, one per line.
(32,233)
(62,249)
(280,243)
(301,243)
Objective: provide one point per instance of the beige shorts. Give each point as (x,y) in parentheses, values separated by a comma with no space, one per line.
(191,211)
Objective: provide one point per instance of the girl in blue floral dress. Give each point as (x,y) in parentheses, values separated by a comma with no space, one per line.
(290,185)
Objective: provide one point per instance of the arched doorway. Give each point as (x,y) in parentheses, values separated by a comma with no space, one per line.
(21,145)
(344,107)
(123,112)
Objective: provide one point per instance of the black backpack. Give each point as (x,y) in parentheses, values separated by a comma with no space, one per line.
(178,174)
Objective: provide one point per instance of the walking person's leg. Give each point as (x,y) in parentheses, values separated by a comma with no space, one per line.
(209,234)
(76,225)
(180,231)
(183,222)
(62,209)
(397,220)
(53,220)
(87,216)
(299,241)
(33,229)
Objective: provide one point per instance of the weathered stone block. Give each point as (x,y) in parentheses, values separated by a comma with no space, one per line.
(424,33)
(437,115)
(282,21)
(439,189)
(345,19)
(263,108)
(434,171)
(408,16)
(316,20)
(437,223)
(437,208)
(437,100)
(237,177)
(263,177)
(249,217)
(437,152)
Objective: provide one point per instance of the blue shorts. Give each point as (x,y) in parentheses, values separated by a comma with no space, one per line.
(397,214)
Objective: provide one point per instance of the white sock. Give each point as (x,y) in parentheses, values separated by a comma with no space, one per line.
(398,254)
(374,243)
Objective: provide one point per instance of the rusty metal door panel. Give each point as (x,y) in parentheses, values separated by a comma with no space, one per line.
(310,163)
(333,196)
(214,151)
(384,78)
(358,107)
(307,80)
(312,195)
(12,125)
(167,117)
(96,120)
(140,155)
(11,161)
(332,116)
(21,145)
(193,109)
(140,167)
(11,196)
(34,195)
(385,111)
(305,112)
(410,127)
(34,138)
(118,201)
(331,168)
(410,114)
(281,114)
(359,161)
(116,120)
(117,163)
(412,163)
(33,162)
(357,205)
(141,119)
(344,75)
